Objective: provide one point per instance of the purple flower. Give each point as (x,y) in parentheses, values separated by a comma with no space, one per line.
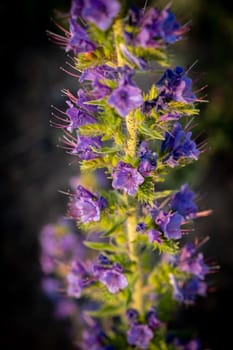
(126,178)
(77,117)
(139,335)
(154,236)
(84,146)
(193,344)
(152,319)
(187,291)
(75,280)
(125,98)
(155,28)
(191,262)
(100,12)
(183,201)
(132,316)
(193,288)
(83,97)
(58,243)
(170,224)
(75,285)
(176,86)
(136,61)
(141,227)
(94,338)
(95,74)
(111,276)
(177,144)
(148,160)
(65,308)
(169,29)
(78,41)
(85,206)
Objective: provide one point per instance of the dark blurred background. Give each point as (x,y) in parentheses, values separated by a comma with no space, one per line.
(34,169)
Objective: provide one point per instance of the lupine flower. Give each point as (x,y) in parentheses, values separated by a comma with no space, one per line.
(111,275)
(126,178)
(183,202)
(100,12)
(178,145)
(176,86)
(79,41)
(85,207)
(139,335)
(170,224)
(148,160)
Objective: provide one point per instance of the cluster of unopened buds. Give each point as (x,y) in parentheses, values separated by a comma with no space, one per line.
(127,264)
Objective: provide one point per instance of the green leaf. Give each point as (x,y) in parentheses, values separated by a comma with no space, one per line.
(108,310)
(101,246)
(114,228)
(163,194)
(183,108)
(107,150)
(149,131)
(145,192)
(93,164)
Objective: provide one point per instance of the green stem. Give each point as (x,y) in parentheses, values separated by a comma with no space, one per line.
(137,301)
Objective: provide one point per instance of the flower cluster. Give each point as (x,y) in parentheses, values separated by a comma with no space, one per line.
(134,137)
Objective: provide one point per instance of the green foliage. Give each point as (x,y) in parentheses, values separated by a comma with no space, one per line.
(145,192)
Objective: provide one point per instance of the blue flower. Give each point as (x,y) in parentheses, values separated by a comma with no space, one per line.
(139,335)
(78,41)
(183,201)
(191,262)
(125,98)
(84,147)
(132,316)
(126,178)
(77,117)
(100,12)
(154,236)
(176,86)
(178,144)
(85,207)
(148,160)
(111,275)
(187,291)
(76,280)
(170,224)
(154,28)
(152,319)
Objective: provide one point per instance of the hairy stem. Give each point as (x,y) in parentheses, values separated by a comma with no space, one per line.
(137,301)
